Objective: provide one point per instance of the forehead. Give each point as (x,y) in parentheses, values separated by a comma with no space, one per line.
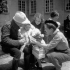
(37,18)
(26,24)
(22,23)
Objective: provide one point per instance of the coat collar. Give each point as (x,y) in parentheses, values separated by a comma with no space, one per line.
(56,31)
(14,24)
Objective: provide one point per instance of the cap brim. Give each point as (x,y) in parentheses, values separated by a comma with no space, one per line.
(26,21)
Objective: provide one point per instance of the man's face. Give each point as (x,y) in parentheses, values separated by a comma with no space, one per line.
(26,26)
(47,31)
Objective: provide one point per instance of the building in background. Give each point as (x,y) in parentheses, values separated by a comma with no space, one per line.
(30,7)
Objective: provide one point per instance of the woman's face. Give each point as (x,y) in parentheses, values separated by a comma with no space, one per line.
(37,21)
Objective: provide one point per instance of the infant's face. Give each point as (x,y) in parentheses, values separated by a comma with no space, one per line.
(26,27)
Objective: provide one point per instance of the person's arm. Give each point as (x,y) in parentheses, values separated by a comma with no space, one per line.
(42,28)
(5,37)
(53,43)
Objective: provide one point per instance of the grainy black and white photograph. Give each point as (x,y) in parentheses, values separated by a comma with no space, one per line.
(34,34)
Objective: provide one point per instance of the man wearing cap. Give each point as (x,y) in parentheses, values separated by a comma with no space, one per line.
(10,40)
(57,49)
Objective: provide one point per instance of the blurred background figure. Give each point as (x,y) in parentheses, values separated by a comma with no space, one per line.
(54,16)
(67,27)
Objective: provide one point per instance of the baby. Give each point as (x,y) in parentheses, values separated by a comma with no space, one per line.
(37,51)
(27,34)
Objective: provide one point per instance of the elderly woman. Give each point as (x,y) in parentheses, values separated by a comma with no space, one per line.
(10,39)
(57,50)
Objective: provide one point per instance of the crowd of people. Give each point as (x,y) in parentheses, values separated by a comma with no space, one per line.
(21,33)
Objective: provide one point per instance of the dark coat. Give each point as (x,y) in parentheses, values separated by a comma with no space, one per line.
(67,28)
(9,37)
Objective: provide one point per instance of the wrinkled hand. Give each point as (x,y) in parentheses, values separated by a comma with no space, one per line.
(32,40)
(22,41)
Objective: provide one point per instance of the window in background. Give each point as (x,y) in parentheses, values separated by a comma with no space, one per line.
(22,5)
(0,6)
(67,5)
(32,7)
(4,7)
(48,6)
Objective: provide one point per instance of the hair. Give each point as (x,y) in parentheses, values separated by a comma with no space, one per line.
(54,14)
(68,16)
(51,24)
(39,15)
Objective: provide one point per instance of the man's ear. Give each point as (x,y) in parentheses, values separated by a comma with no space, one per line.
(52,30)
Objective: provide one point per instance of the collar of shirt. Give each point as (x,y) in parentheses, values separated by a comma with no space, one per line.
(56,31)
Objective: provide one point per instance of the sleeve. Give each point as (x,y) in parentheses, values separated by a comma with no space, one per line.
(54,42)
(42,28)
(5,37)
(65,25)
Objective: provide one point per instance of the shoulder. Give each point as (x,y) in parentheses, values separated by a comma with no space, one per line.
(60,35)
(57,34)
(6,25)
